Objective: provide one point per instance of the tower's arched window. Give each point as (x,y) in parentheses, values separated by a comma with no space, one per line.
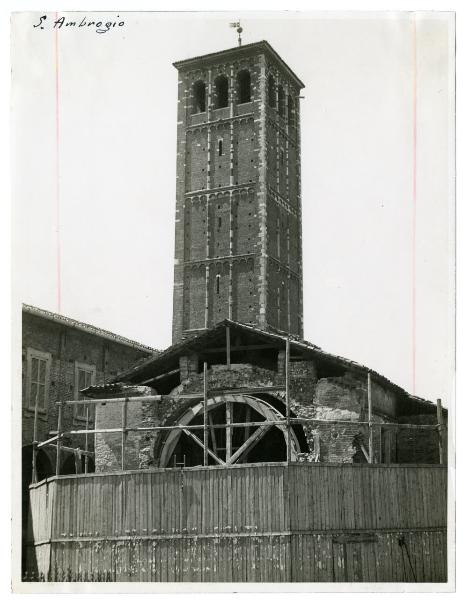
(281,101)
(221,91)
(244,87)
(217,284)
(271,92)
(220,147)
(199,97)
(291,118)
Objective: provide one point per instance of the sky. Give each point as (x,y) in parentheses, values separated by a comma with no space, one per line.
(94,152)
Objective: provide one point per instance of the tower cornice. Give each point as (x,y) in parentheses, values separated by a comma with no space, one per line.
(238,52)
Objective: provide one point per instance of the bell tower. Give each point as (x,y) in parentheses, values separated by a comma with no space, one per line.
(238,243)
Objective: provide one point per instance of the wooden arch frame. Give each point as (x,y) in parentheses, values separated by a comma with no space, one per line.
(269,412)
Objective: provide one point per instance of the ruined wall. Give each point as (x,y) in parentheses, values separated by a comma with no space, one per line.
(338,402)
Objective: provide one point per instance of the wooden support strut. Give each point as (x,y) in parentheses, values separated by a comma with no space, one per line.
(227,335)
(439,430)
(35,441)
(86,438)
(58,441)
(370,428)
(124,433)
(206,441)
(288,416)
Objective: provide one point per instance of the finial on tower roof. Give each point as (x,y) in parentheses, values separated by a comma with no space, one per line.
(239,29)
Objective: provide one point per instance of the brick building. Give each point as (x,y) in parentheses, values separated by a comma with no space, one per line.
(209,455)
(238,295)
(238,245)
(61,356)
(246,384)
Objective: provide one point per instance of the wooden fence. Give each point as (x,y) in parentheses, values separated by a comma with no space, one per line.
(266,522)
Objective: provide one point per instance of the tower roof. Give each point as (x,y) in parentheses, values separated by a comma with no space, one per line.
(238,51)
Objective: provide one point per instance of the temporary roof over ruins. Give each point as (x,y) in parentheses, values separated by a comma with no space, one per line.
(210,345)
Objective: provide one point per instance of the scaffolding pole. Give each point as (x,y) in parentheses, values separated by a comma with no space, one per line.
(35,441)
(439,430)
(86,439)
(124,433)
(370,427)
(288,434)
(227,336)
(58,441)
(205,414)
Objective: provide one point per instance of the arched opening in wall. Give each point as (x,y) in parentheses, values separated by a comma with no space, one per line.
(220,147)
(221,91)
(291,119)
(255,440)
(271,91)
(244,87)
(281,101)
(199,97)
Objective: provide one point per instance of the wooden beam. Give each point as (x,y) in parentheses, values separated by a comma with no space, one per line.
(58,443)
(162,376)
(206,441)
(370,429)
(288,415)
(199,442)
(124,433)
(249,444)
(227,336)
(34,440)
(440,422)
(241,348)
(213,438)
(229,419)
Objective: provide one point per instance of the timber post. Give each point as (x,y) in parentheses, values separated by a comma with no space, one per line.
(35,441)
(58,441)
(370,425)
(288,435)
(124,432)
(440,424)
(86,439)
(205,434)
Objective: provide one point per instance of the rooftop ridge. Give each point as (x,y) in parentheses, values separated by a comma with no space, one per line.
(92,329)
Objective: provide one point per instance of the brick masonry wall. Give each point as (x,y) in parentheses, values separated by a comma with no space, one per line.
(340,398)
(419,446)
(67,346)
(259,152)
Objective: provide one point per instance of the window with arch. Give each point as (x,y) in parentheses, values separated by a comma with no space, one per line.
(199,97)
(221,91)
(281,101)
(291,118)
(271,91)
(244,86)
(220,147)
(217,284)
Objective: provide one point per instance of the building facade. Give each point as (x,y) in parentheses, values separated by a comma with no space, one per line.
(238,245)
(60,357)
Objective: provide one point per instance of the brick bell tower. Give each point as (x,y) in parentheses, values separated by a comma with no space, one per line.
(238,244)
